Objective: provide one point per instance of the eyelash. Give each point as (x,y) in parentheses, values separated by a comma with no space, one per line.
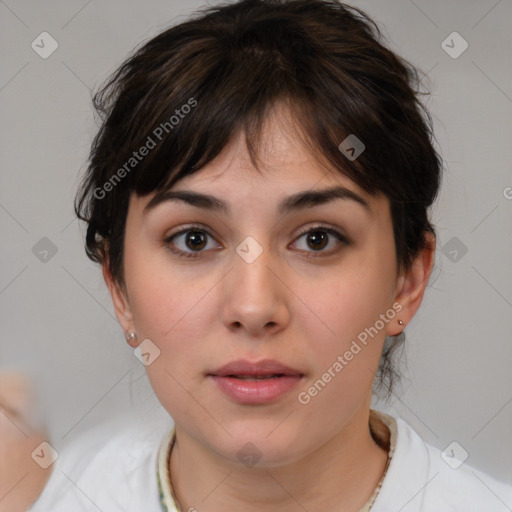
(183,254)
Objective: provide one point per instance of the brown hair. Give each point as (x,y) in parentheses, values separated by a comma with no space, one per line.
(184,93)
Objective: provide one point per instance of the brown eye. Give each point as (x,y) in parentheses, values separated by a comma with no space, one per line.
(189,243)
(318,238)
(195,240)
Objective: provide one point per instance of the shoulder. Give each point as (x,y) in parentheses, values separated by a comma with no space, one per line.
(109,467)
(421,478)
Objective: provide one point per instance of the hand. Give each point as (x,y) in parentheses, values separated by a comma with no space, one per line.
(21,479)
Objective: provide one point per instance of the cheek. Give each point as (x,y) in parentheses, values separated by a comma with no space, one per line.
(350,298)
(345,348)
(174,310)
(170,305)
(150,288)
(344,316)
(347,326)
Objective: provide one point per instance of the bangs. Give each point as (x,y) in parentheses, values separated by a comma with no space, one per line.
(187,109)
(177,102)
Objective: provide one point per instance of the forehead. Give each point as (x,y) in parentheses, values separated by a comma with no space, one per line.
(282,158)
(284,171)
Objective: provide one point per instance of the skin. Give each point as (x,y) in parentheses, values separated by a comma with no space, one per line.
(21,479)
(202,313)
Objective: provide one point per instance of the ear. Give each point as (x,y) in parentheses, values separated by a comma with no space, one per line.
(120,301)
(412,285)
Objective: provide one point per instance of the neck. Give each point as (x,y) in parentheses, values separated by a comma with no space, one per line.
(340,474)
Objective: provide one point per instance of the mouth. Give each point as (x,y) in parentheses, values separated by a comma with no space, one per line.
(253,383)
(256,377)
(263,369)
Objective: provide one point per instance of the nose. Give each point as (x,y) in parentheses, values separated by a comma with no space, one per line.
(255,297)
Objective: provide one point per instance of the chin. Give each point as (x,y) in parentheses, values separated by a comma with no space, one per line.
(261,444)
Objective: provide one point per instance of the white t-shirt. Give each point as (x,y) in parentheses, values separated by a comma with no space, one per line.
(113,472)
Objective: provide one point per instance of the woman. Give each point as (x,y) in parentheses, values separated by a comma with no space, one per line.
(257,197)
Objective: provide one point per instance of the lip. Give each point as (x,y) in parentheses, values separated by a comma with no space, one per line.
(262,367)
(255,391)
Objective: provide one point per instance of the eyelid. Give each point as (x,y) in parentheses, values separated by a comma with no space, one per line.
(334,230)
(186,228)
(331,230)
(302,231)
(189,227)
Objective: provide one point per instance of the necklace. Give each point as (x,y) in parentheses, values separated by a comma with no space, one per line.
(167,497)
(168,500)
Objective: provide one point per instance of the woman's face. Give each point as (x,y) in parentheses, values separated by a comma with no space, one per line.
(257,288)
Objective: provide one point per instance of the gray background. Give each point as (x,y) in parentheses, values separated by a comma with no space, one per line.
(56,320)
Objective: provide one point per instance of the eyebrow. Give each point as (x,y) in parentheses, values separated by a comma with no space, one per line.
(298,201)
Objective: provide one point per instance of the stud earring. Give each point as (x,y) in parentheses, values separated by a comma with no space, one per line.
(130,336)
(401,335)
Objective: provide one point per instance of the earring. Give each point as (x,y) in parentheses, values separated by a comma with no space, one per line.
(130,336)
(401,335)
